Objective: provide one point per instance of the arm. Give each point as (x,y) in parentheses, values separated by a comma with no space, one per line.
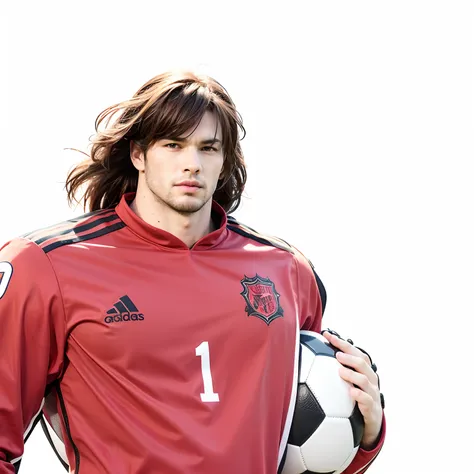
(360,371)
(31,341)
(313,302)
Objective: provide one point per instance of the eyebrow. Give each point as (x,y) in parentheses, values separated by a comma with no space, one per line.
(208,141)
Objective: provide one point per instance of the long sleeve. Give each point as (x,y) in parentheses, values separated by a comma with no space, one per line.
(31,342)
(313,302)
(363,459)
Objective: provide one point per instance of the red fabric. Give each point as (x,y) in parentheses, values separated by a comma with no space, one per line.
(363,459)
(130,385)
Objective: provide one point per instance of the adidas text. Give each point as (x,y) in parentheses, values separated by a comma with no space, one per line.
(118,318)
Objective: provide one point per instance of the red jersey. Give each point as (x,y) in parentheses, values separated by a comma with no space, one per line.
(149,356)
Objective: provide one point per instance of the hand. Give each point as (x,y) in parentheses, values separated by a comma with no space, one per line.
(367,395)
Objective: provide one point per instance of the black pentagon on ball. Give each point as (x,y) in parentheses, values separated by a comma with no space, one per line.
(307,417)
(318,347)
(357,423)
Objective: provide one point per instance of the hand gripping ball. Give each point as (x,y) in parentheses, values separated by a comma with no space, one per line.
(327,426)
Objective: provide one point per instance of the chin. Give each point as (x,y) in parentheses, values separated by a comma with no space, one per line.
(187,206)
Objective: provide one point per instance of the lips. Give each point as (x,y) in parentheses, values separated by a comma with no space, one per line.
(189,184)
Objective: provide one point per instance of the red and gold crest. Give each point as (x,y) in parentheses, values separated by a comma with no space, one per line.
(263,301)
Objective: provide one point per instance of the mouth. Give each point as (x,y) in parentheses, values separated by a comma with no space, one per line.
(189,185)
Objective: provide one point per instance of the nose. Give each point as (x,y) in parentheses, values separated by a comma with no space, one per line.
(192,160)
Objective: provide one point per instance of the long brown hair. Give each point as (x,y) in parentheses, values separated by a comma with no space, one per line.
(166,106)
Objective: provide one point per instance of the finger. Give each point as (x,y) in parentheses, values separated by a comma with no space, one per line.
(324,333)
(372,413)
(361,380)
(339,342)
(358,364)
(345,346)
(364,401)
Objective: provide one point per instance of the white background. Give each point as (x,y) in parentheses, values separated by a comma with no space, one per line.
(360,141)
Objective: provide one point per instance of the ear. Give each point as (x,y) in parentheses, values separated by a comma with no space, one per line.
(137,156)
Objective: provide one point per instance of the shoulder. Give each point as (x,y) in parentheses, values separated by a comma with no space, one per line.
(305,266)
(245,231)
(267,240)
(85,227)
(20,251)
(26,256)
(24,267)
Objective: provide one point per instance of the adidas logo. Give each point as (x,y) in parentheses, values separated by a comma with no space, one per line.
(123,310)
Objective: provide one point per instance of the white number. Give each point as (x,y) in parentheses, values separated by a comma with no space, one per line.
(6,271)
(203,351)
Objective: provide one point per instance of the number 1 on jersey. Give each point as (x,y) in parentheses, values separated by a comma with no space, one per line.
(203,351)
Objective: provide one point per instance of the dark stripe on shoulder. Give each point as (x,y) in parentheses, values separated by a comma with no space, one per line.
(53,230)
(79,228)
(93,235)
(246,231)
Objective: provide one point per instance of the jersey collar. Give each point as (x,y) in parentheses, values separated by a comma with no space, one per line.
(163,238)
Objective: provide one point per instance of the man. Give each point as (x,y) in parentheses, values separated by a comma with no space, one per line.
(156,333)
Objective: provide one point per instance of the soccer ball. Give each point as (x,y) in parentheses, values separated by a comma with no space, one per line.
(327,426)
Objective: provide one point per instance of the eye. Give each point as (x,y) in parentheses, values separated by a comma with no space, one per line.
(209,148)
(172,146)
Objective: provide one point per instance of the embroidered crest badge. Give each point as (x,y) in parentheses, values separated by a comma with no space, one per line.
(262,299)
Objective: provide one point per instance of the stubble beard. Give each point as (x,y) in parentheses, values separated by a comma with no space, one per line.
(184,206)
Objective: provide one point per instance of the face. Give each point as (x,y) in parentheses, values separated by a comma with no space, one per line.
(182,173)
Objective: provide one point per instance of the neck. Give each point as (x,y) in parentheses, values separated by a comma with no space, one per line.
(189,228)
